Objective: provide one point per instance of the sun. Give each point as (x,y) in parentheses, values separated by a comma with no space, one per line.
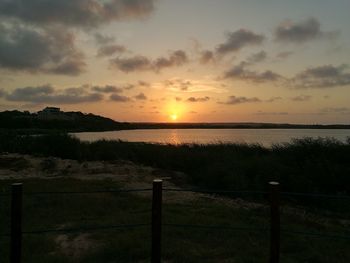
(173,117)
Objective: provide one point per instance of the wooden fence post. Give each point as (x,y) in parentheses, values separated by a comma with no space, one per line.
(16,223)
(156,221)
(275,222)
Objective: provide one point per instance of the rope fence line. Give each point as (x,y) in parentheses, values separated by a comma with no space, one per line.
(314,234)
(274,195)
(192,226)
(193,190)
(217,227)
(89,192)
(80,229)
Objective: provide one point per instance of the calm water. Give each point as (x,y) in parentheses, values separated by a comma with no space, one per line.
(206,136)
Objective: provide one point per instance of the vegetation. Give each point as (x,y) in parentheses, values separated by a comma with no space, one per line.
(38,123)
(303,165)
(64,121)
(188,245)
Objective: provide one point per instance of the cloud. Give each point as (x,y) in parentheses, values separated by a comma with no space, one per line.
(273,99)
(271,113)
(39,50)
(77,13)
(326,76)
(206,56)
(48,94)
(284,54)
(107,89)
(257,57)
(109,50)
(129,86)
(301,98)
(238,40)
(178,84)
(300,32)
(119,98)
(136,63)
(186,85)
(178,99)
(233,100)
(144,83)
(193,99)
(241,73)
(335,110)
(141,63)
(176,58)
(141,96)
(103,39)
(2,93)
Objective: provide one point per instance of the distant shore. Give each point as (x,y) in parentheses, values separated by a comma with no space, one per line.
(38,123)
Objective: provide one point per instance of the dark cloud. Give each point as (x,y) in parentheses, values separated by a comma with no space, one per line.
(103,39)
(178,84)
(302,98)
(78,13)
(335,110)
(119,98)
(257,57)
(271,113)
(284,54)
(128,86)
(300,32)
(326,76)
(109,50)
(107,89)
(48,94)
(136,63)
(193,99)
(34,50)
(144,83)
(238,40)
(176,58)
(2,93)
(241,73)
(273,99)
(141,96)
(206,57)
(233,100)
(141,63)
(178,99)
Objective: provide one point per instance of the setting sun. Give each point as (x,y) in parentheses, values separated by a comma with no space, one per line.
(173,117)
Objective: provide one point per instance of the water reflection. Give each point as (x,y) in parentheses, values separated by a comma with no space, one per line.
(265,137)
(174,137)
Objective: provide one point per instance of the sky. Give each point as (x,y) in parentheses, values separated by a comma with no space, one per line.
(273,61)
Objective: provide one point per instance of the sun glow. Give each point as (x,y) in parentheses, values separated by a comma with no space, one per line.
(173,117)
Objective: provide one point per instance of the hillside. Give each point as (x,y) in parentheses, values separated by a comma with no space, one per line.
(57,120)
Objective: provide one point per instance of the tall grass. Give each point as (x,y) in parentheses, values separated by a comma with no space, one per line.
(305,165)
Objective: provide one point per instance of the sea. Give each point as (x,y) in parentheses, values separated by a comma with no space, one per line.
(265,137)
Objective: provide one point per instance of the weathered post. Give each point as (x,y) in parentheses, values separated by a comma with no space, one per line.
(156,221)
(275,222)
(16,223)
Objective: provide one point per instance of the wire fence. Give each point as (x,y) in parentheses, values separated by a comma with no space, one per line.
(156,224)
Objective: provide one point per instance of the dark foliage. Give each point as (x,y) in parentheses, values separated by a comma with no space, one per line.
(67,121)
(303,165)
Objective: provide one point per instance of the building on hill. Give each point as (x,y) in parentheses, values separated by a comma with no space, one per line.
(51,113)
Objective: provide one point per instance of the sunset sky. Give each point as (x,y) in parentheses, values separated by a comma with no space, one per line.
(179,60)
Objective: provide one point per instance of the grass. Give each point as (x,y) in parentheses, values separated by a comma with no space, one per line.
(179,244)
(304,165)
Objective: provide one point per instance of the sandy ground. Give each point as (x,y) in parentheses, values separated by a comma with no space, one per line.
(18,166)
(128,174)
